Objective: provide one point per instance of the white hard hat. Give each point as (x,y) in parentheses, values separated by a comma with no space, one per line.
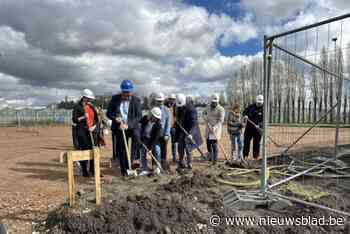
(215,98)
(88,94)
(172,96)
(259,99)
(180,100)
(159,97)
(156,112)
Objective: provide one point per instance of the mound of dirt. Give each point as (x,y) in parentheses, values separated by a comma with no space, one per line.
(187,183)
(182,204)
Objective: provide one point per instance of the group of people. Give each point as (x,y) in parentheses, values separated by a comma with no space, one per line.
(171,119)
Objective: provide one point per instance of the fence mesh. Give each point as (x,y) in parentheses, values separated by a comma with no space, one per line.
(309,103)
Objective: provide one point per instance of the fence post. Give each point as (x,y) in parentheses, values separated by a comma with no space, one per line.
(303,110)
(279,111)
(293,110)
(310,105)
(349,113)
(288,109)
(339,98)
(18,119)
(315,110)
(298,110)
(270,113)
(345,106)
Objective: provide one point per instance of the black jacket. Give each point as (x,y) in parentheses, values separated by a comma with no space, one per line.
(187,116)
(155,133)
(134,114)
(255,114)
(82,130)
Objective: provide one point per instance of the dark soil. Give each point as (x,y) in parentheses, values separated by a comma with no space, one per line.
(183,204)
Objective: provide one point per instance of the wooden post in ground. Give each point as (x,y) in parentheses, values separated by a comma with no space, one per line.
(97,157)
(80,155)
(71,186)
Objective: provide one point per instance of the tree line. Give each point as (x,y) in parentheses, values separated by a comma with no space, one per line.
(299,93)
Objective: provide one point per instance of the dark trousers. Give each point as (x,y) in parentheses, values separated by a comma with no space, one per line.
(183,148)
(212,146)
(173,143)
(114,141)
(163,152)
(120,148)
(84,143)
(250,134)
(75,138)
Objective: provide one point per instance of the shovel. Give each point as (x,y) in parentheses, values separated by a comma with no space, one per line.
(129,171)
(193,142)
(261,132)
(222,148)
(153,157)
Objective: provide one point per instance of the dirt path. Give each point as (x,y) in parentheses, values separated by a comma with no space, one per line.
(33,182)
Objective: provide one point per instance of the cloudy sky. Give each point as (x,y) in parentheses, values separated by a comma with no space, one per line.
(53,48)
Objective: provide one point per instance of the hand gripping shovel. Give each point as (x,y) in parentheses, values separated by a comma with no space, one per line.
(261,132)
(220,145)
(193,142)
(154,158)
(129,171)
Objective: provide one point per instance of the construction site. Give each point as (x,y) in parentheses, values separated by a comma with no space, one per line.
(298,183)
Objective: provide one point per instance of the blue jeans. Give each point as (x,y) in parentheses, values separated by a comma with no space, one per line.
(236,140)
(155,152)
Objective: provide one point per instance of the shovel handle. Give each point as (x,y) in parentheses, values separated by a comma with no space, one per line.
(154,158)
(187,134)
(222,148)
(126,148)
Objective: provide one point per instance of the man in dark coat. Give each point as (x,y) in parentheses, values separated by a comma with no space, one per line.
(125,112)
(187,117)
(253,116)
(86,120)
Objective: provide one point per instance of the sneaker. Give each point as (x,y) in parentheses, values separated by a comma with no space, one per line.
(157,171)
(144,173)
(189,166)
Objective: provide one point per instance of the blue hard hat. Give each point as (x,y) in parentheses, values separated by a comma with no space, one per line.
(126,86)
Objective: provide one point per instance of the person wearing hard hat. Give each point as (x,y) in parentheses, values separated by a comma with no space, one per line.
(186,119)
(171,104)
(151,133)
(125,112)
(214,116)
(86,120)
(166,124)
(253,116)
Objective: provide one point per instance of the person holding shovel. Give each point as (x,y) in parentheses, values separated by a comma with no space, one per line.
(165,134)
(187,130)
(253,116)
(234,129)
(151,132)
(86,120)
(125,112)
(214,116)
(171,104)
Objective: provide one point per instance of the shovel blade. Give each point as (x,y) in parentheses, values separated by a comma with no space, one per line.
(131,173)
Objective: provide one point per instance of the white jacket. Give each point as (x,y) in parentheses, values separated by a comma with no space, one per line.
(215,119)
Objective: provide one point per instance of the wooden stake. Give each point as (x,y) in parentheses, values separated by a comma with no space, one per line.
(71,186)
(97,157)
